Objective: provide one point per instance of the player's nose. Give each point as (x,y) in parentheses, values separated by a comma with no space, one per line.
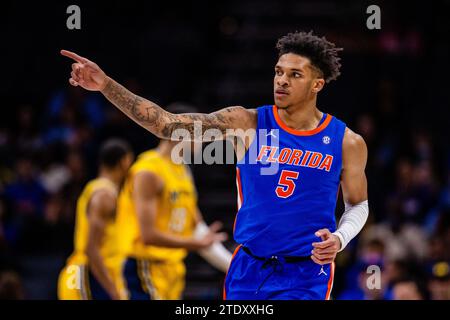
(282,81)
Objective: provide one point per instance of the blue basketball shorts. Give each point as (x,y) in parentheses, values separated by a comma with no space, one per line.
(249,278)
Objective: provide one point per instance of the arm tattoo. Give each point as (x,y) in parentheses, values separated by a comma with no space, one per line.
(162,123)
(132,105)
(216,120)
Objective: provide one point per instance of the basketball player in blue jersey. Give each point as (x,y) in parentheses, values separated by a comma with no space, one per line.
(285,226)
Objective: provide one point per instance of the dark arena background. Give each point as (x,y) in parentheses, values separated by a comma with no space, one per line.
(393,91)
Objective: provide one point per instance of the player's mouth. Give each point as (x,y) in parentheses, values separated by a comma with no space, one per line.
(281,93)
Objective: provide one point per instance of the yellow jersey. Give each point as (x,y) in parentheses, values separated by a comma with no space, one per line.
(176,208)
(108,249)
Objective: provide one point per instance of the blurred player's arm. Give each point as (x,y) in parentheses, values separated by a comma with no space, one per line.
(148,114)
(354,190)
(146,187)
(216,254)
(101,209)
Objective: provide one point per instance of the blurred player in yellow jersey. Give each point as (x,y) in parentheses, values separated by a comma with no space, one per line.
(93,271)
(159,221)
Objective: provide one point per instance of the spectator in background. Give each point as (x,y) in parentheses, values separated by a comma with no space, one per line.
(11,286)
(3,244)
(394,271)
(63,129)
(439,258)
(414,194)
(26,193)
(76,166)
(90,106)
(439,283)
(25,198)
(407,242)
(371,254)
(6,174)
(27,135)
(409,289)
(405,280)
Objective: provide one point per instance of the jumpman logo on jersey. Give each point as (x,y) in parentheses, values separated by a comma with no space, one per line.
(322,271)
(271,134)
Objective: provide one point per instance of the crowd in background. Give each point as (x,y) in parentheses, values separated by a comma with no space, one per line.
(48,148)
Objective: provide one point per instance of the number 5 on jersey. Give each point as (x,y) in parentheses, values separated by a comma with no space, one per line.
(286,184)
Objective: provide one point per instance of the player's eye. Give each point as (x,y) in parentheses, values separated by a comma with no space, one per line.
(278,73)
(297,75)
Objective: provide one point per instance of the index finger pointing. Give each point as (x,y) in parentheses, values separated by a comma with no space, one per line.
(74,56)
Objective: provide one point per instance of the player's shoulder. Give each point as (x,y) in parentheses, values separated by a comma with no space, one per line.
(237,118)
(147,160)
(353,142)
(104,184)
(148,182)
(147,174)
(98,184)
(246,118)
(103,196)
(241,110)
(252,112)
(148,156)
(149,166)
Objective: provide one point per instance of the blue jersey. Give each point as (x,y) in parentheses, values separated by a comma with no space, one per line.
(288,183)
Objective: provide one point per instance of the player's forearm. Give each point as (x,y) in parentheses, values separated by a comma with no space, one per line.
(351,222)
(144,112)
(216,254)
(162,123)
(157,238)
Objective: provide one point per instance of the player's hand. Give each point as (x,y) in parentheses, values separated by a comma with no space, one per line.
(212,236)
(324,252)
(85,73)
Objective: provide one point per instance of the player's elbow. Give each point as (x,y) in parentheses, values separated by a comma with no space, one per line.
(148,239)
(92,252)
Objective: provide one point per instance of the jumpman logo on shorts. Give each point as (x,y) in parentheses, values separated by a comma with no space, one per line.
(322,271)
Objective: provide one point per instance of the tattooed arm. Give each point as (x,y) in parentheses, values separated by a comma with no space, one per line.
(163,124)
(148,114)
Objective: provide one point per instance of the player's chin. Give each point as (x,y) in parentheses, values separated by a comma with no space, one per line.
(281,104)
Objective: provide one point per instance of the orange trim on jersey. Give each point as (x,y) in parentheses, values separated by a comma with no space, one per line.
(238,177)
(240,198)
(330,282)
(300,132)
(224,293)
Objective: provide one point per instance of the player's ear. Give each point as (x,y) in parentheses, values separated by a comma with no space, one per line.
(318,84)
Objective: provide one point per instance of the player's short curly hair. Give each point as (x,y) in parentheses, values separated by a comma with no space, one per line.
(322,53)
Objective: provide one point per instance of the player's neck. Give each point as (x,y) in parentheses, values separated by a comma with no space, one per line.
(165,148)
(301,117)
(112,175)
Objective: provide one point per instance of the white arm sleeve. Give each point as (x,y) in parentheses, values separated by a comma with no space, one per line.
(216,254)
(352,221)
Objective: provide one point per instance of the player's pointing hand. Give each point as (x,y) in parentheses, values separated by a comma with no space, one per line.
(85,73)
(324,252)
